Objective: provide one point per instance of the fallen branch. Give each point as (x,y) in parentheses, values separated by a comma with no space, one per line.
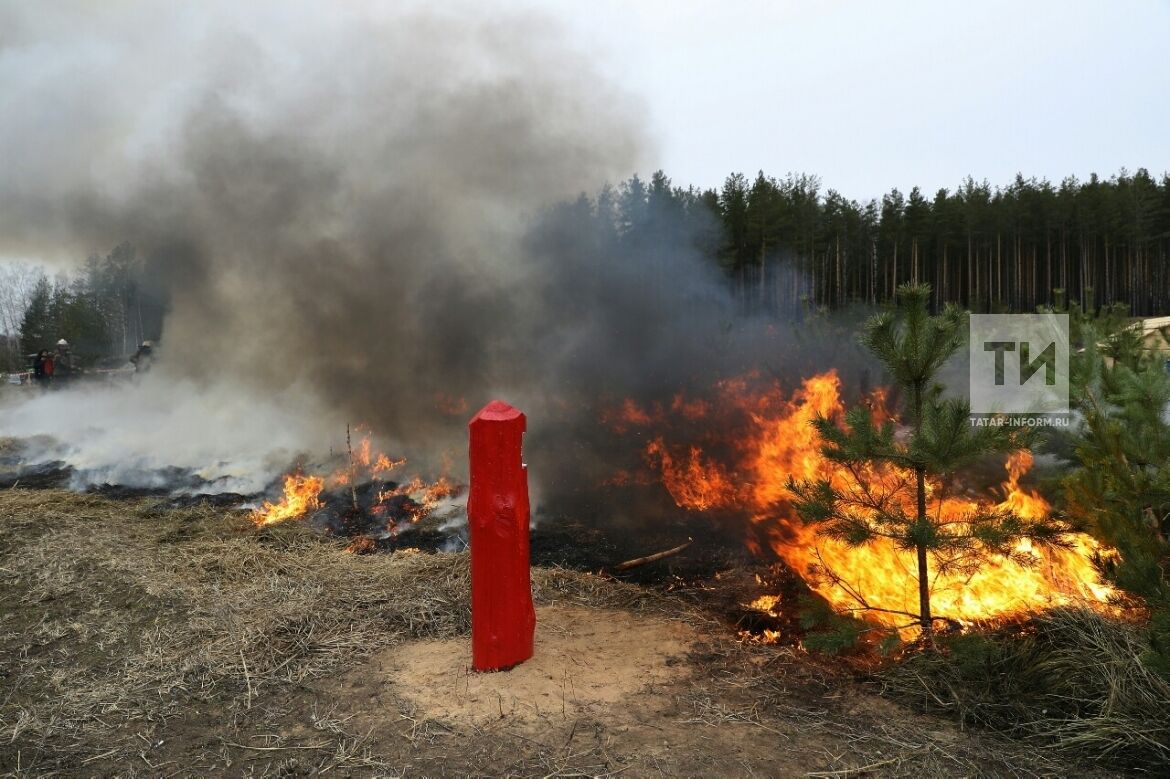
(862,769)
(247,677)
(628,564)
(279,749)
(99,757)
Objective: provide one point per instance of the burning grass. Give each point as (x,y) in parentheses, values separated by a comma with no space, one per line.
(142,641)
(358,497)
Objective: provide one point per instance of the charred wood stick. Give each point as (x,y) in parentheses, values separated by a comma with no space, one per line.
(653,558)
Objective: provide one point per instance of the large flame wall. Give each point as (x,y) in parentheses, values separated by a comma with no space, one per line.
(877,579)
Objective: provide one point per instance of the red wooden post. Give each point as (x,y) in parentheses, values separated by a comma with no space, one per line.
(502,618)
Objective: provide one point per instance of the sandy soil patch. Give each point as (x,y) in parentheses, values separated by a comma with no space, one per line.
(584,659)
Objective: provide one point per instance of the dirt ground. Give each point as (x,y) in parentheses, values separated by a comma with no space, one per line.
(137,640)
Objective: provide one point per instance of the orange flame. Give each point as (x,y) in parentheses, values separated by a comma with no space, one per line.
(693,483)
(878,580)
(302,494)
(450,405)
(689,409)
(361,545)
(426,496)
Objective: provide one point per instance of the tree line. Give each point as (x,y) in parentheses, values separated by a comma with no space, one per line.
(785,244)
(105,310)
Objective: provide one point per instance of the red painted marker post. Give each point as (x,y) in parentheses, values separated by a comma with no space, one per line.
(502,618)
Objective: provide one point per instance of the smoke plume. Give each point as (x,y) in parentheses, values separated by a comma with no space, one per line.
(347,206)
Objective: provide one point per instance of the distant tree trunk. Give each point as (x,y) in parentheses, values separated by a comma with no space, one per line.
(971,291)
(1108,277)
(763,264)
(1018,297)
(998,268)
(977,277)
(1048,265)
(1064,260)
(840,280)
(873,254)
(894,279)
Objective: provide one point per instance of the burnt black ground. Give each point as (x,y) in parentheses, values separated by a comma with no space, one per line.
(716,572)
(42,476)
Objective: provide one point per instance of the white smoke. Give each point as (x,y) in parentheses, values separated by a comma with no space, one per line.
(161,431)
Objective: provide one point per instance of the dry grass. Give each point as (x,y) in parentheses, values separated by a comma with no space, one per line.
(782,692)
(140,641)
(156,612)
(119,617)
(1072,680)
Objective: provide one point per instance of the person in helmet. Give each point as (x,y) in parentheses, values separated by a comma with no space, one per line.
(143,357)
(64,368)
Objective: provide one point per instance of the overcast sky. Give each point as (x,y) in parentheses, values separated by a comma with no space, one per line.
(872,95)
(866,95)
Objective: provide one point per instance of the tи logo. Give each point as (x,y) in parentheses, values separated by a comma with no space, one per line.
(1019,363)
(1047,359)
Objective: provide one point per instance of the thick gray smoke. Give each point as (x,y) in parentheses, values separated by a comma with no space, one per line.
(335,197)
(351,202)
